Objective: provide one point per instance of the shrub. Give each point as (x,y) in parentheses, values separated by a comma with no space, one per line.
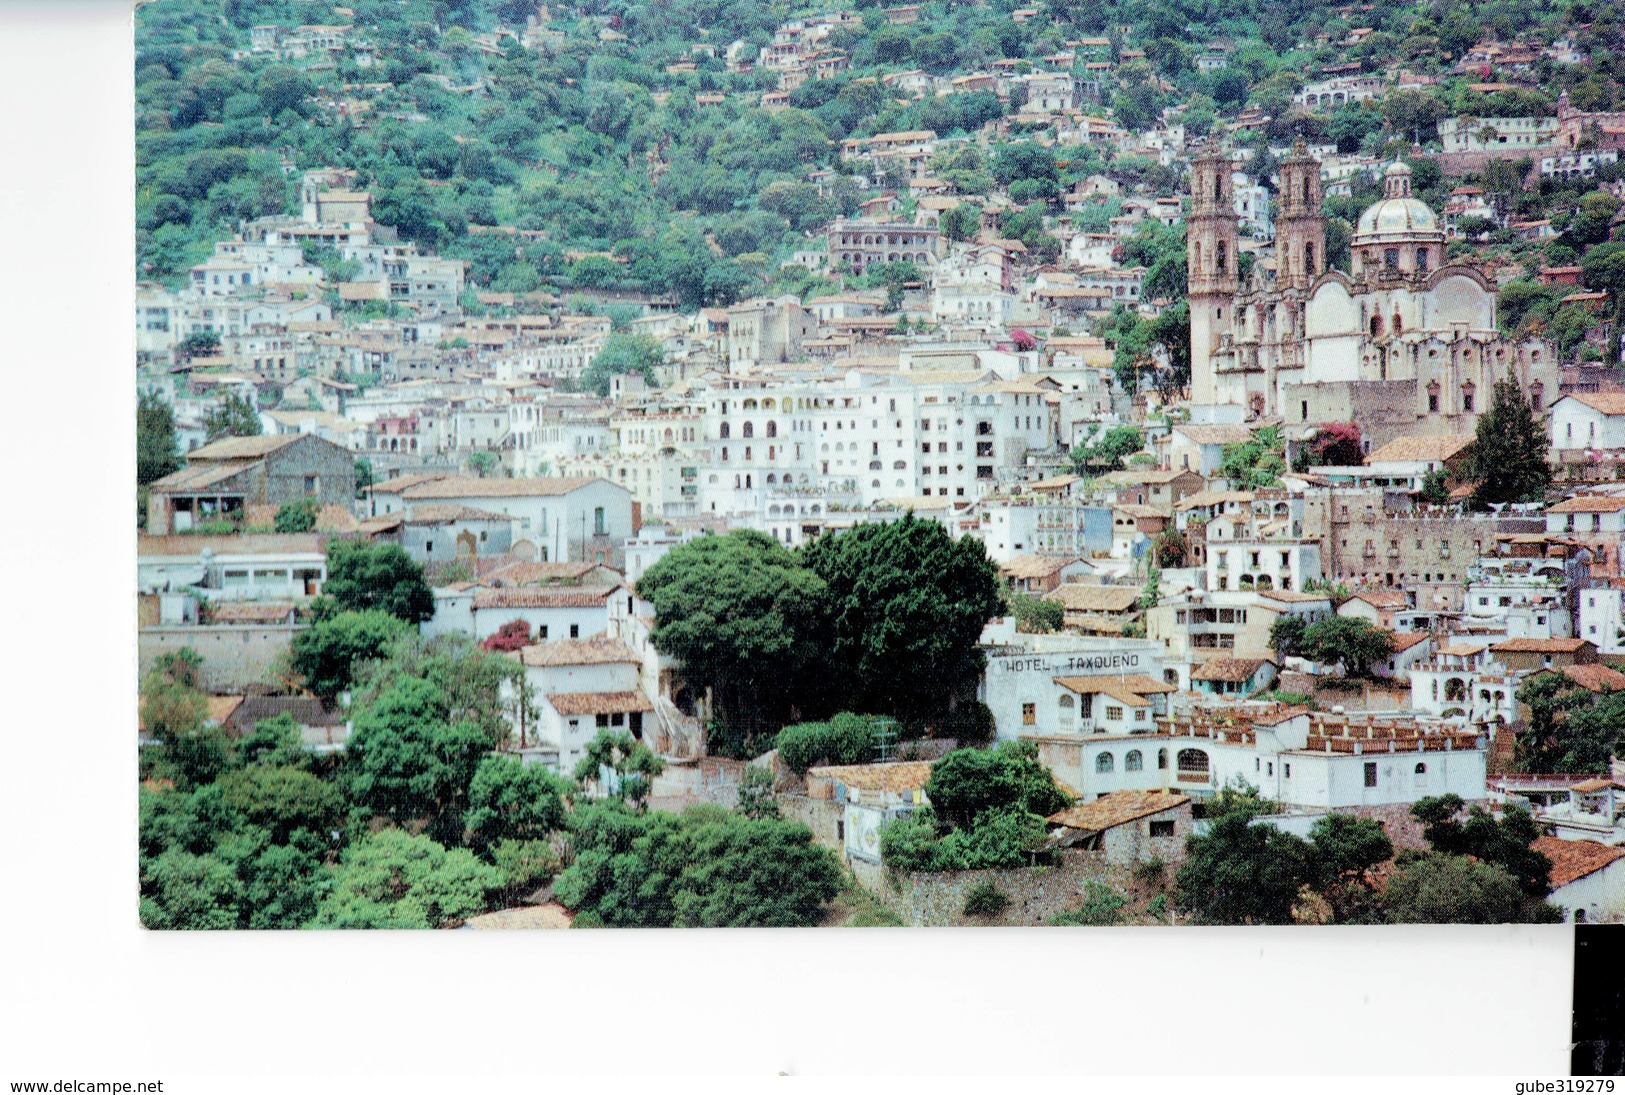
(844,739)
(297,516)
(1102,907)
(1151,872)
(971,723)
(525,864)
(986,899)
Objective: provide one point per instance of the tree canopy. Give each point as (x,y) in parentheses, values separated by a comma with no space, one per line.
(363,576)
(1509,450)
(706,867)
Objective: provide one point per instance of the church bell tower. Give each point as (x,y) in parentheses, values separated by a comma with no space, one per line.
(1211,266)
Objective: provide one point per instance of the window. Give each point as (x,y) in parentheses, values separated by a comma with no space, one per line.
(575,631)
(1134,762)
(1370,773)
(1160,828)
(1029,714)
(598,521)
(1104,763)
(1115,714)
(1162,759)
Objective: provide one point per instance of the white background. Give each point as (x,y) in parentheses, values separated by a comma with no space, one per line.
(88,995)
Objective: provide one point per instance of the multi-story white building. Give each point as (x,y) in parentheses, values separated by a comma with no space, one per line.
(1463,681)
(1306,760)
(1468,134)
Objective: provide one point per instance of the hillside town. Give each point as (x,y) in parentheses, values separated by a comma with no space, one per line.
(919,465)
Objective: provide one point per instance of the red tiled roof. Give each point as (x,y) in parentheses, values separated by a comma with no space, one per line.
(598,703)
(1575,859)
(1596,678)
(1539,646)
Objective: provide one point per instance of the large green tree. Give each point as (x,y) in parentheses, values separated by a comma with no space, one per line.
(705,868)
(1457,889)
(393,879)
(234,416)
(1509,450)
(1506,841)
(744,618)
(511,800)
(624,355)
(907,605)
(405,760)
(1570,728)
(361,576)
(1242,873)
(156,452)
(1356,644)
(327,653)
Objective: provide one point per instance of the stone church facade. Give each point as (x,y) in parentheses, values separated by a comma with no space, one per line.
(1406,343)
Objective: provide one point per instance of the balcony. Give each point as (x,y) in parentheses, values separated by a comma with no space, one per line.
(1203,778)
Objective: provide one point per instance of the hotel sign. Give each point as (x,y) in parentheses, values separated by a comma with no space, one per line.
(1074,664)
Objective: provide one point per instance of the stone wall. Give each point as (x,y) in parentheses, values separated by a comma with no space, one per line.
(234,656)
(937,899)
(1371,695)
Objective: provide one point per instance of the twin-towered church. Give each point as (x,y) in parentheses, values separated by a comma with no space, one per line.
(1404,344)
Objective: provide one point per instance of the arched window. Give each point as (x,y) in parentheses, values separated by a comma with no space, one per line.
(1219,259)
(1162,759)
(1399,324)
(1067,708)
(772,429)
(1134,761)
(1390,258)
(1308,252)
(1422,259)
(724,432)
(1104,762)
(1306,202)
(1192,763)
(1376,326)
(750,429)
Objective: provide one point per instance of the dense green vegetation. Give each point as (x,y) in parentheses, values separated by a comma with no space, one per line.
(883,618)
(421,823)
(987,810)
(1479,870)
(595,143)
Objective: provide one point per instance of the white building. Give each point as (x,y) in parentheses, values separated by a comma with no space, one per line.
(583,686)
(1303,760)
(556,519)
(1468,134)
(1589,420)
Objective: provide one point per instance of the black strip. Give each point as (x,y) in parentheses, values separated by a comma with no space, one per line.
(1599,1001)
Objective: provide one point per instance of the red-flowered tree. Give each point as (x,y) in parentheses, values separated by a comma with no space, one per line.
(513,635)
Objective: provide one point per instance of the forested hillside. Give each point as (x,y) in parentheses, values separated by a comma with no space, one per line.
(603,141)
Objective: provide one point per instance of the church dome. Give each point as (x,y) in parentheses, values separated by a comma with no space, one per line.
(1397,216)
